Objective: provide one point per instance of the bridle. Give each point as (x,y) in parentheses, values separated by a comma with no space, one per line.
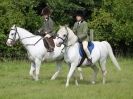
(66,37)
(16,32)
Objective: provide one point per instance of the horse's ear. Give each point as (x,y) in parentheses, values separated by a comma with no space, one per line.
(60,26)
(66,25)
(14,26)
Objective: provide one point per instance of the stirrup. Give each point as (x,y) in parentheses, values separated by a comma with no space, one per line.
(89,60)
(50,50)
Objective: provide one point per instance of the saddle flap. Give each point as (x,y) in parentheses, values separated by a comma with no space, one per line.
(49,43)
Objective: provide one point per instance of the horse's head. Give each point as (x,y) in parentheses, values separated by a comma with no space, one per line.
(65,36)
(62,36)
(13,36)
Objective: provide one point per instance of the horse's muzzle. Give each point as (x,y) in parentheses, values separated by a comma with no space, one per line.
(10,42)
(58,45)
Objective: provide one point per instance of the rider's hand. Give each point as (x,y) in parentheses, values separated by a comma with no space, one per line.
(36,32)
(48,36)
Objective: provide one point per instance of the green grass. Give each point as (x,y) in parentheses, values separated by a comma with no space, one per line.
(15,82)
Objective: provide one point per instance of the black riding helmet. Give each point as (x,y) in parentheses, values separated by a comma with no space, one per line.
(46,11)
(80,13)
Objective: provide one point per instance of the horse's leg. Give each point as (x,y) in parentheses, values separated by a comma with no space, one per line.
(75,77)
(80,73)
(58,68)
(38,63)
(94,75)
(104,71)
(71,71)
(32,69)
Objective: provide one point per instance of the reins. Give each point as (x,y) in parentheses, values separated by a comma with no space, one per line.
(34,43)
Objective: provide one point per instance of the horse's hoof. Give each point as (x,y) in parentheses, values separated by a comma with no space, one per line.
(36,79)
(67,85)
(93,82)
(81,78)
(103,83)
(52,78)
(76,83)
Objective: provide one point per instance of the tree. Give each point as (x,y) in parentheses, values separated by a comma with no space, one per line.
(112,20)
(20,13)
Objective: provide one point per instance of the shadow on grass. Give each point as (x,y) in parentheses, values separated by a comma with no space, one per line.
(61,80)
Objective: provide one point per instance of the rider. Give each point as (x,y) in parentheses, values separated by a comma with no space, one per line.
(47,29)
(81,30)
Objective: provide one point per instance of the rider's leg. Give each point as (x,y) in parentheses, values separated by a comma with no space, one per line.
(85,47)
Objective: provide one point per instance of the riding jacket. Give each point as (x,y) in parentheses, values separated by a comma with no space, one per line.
(48,26)
(81,30)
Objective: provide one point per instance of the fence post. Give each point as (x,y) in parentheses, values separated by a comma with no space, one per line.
(91,34)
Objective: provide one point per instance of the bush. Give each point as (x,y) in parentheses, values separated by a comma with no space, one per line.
(112,20)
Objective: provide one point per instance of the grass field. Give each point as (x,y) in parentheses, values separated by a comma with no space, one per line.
(15,82)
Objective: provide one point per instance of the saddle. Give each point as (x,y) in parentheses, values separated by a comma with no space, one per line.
(49,43)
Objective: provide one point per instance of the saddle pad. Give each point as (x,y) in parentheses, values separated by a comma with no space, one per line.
(90,46)
(81,50)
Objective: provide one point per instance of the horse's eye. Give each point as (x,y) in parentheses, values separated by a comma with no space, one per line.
(64,35)
(57,35)
(12,34)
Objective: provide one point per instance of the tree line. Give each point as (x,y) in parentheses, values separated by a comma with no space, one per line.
(112,20)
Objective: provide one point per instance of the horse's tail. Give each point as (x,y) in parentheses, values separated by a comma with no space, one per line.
(112,57)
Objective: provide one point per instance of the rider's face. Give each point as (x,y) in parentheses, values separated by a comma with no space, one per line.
(45,16)
(78,18)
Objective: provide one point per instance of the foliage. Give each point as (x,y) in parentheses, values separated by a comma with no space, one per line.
(21,13)
(112,20)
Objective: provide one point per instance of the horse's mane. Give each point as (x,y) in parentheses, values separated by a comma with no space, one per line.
(72,37)
(68,28)
(26,31)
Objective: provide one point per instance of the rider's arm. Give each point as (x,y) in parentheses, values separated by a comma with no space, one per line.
(51,28)
(41,30)
(75,28)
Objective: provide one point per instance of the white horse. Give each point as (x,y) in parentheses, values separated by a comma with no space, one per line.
(72,56)
(36,50)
